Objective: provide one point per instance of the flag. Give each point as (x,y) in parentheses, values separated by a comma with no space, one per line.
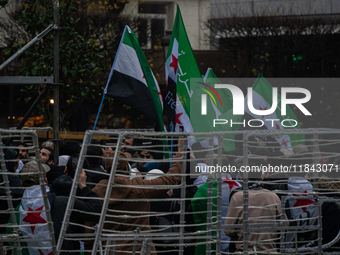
(181,62)
(33,222)
(299,187)
(219,106)
(199,205)
(171,87)
(262,100)
(132,82)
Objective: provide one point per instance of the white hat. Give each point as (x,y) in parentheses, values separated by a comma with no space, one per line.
(63,160)
(153,174)
(134,173)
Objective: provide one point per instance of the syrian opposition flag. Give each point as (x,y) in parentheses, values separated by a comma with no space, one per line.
(299,187)
(219,106)
(171,89)
(132,82)
(262,100)
(33,222)
(180,61)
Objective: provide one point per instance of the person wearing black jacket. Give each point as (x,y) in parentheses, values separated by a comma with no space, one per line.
(95,171)
(84,210)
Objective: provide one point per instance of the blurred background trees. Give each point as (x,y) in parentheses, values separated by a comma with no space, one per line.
(90,32)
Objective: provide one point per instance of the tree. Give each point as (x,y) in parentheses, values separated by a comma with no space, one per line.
(85,56)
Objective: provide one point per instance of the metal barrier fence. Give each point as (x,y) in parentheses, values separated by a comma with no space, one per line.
(26,222)
(233,192)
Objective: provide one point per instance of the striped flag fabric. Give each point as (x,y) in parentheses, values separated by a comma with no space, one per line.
(132,82)
(33,222)
(219,106)
(181,61)
(299,187)
(262,100)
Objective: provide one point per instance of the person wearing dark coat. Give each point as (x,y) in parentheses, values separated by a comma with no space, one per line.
(86,209)
(95,171)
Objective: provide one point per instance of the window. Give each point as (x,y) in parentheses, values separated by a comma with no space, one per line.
(152,23)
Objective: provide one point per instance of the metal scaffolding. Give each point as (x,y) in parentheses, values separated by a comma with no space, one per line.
(52,80)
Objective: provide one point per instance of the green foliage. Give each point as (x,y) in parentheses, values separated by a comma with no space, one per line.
(3,3)
(82,62)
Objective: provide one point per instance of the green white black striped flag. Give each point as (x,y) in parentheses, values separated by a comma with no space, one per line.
(132,82)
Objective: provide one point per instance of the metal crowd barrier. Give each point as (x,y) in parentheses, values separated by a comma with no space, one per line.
(199,222)
(21,234)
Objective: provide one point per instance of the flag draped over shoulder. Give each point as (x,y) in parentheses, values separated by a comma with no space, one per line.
(33,222)
(262,100)
(132,82)
(180,61)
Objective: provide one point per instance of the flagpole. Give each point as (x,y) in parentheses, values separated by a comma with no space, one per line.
(172,141)
(108,81)
(95,123)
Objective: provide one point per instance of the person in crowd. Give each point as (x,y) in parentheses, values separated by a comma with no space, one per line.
(199,208)
(22,156)
(84,210)
(66,149)
(109,160)
(164,205)
(95,171)
(149,156)
(62,184)
(143,154)
(126,191)
(49,144)
(129,142)
(199,161)
(46,155)
(264,207)
(23,151)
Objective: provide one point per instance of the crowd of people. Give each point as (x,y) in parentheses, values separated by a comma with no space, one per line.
(140,196)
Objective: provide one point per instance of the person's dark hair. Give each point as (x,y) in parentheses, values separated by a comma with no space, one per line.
(51,156)
(10,154)
(72,165)
(23,144)
(69,147)
(197,149)
(94,151)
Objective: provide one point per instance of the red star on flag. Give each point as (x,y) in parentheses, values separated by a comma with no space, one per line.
(177,118)
(41,253)
(160,95)
(231,184)
(34,218)
(174,63)
(284,143)
(262,110)
(142,72)
(302,202)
